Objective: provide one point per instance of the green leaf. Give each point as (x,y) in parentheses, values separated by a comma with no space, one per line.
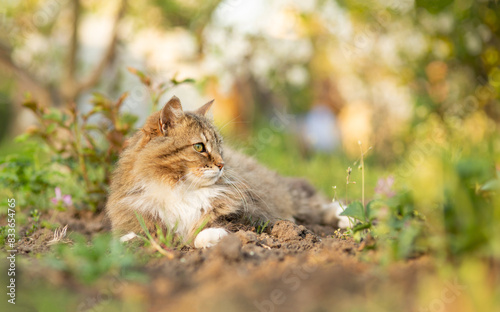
(362,226)
(30,104)
(178,82)
(355,210)
(51,128)
(142,76)
(128,118)
(22,138)
(53,115)
(433,6)
(492,185)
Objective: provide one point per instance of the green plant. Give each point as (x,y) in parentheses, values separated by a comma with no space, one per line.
(447,207)
(261,226)
(471,207)
(168,240)
(35,218)
(86,148)
(164,243)
(391,219)
(28,177)
(3,234)
(86,144)
(89,261)
(358,210)
(393,222)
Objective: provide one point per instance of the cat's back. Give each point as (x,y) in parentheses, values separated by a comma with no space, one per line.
(266,186)
(287,196)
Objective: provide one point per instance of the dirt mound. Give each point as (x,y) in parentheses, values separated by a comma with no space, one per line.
(289,268)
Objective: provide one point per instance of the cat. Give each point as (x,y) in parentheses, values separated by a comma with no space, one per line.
(177,173)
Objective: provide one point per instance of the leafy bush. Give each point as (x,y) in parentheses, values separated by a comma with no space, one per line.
(88,150)
(74,150)
(28,177)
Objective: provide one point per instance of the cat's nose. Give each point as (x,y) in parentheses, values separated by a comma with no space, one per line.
(220,165)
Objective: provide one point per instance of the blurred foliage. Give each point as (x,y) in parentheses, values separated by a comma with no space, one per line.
(448,207)
(5,112)
(472,44)
(188,14)
(157,89)
(282,153)
(35,217)
(85,149)
(29,177)
(88,262)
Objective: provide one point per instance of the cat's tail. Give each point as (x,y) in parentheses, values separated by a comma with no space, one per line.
(312,207)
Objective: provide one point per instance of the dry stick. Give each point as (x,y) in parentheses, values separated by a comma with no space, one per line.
(167,254)
(346,186)
(151,239)
(77,87)
(74,46)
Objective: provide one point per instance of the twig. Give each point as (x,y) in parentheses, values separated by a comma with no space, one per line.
(73,47)
(167,254)
(23,74)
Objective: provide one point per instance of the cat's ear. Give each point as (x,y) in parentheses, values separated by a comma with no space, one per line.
(205,108)
(170,114)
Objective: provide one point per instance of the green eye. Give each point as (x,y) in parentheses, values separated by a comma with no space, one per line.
(199,147)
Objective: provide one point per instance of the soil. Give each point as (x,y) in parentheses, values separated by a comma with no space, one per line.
(289,267)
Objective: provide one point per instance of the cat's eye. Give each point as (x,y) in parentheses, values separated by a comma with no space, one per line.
(199,147)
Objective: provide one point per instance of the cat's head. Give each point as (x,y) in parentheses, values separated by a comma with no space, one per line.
(181,148)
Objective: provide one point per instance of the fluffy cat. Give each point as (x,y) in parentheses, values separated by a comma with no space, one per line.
(176,172)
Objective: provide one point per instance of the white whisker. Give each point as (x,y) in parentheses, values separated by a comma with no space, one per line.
(242,181)
(239,192)
(229,122)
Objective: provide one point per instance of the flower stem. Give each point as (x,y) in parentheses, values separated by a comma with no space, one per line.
(362,177)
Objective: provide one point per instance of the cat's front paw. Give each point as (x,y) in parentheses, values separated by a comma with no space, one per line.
(209,237)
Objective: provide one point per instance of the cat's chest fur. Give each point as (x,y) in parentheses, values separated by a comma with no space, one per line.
(175,206)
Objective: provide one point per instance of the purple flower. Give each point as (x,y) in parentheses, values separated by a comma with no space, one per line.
(66,199)
(384,187)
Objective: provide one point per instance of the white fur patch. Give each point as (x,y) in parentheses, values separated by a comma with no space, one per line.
(332,212)
(127,237)
(209,237)
(343,221)
(178,206)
